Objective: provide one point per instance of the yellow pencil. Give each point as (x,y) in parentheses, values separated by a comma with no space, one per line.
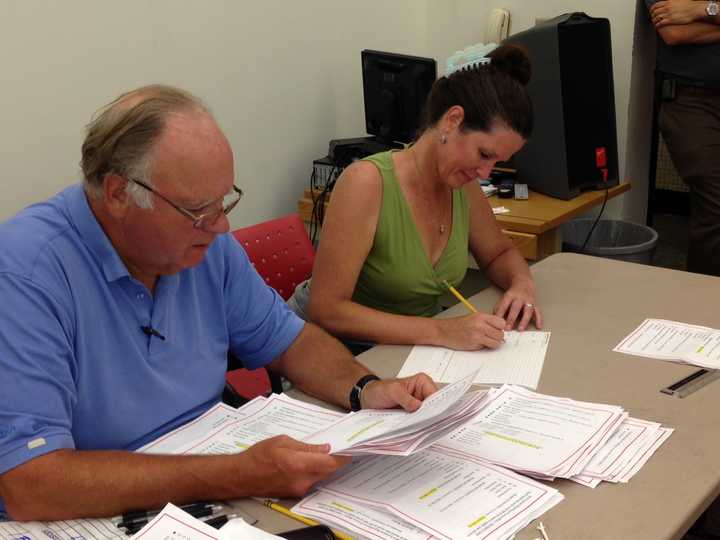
(460,297)
(302,519)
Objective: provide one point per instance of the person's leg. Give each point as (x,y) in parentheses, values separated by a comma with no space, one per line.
(690,125)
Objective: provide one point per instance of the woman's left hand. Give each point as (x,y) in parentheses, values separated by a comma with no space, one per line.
(518,305)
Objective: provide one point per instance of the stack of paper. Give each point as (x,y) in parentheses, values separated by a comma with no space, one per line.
(535,434)
(431,494)
(398,432)
(674,342)
(517,361)
(174,523)
(625,453)
(224,430)
(88,529)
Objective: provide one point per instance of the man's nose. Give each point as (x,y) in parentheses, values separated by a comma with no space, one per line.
(217,225)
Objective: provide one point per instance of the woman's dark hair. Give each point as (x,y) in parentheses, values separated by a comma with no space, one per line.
(489,93)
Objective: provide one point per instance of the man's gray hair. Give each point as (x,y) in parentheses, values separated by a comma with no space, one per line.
(120,137)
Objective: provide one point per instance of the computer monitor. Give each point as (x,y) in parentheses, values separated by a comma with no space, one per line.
(395,87)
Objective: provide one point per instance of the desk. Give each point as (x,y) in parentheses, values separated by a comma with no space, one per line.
(590,304)
(533,225)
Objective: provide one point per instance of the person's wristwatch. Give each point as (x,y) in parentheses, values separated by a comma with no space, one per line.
(357,390)
(712,8)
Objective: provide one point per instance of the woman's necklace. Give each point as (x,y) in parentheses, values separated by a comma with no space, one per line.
(441,226)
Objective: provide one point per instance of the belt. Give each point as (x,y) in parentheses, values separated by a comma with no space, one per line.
(697,90)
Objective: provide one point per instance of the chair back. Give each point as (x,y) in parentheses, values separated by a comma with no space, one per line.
(280,250)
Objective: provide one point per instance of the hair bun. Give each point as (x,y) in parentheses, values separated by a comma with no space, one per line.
(513,60)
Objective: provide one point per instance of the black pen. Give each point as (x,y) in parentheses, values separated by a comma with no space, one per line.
(149,514)
(215,521)
(219,521)
(143,518)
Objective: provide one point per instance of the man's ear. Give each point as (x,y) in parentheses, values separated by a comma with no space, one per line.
(117,200)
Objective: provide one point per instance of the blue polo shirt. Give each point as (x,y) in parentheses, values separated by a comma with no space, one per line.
(76,370)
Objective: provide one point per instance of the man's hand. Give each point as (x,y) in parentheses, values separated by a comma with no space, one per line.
(283,467)
(673,12)
(407,393)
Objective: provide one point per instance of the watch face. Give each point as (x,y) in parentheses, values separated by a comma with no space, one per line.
(712,8)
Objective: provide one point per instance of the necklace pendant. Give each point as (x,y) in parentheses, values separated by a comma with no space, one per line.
(442,229)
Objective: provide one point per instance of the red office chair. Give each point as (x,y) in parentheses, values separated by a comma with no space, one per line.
(283,255)
(280,251)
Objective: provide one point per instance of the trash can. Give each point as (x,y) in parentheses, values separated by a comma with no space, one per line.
(612,239)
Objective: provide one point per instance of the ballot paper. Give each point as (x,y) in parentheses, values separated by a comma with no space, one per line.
(517,361)
(674,342)
(356,520)
(71,529)
(393,431)
(625,453)
(223,431)
(535,434)
(176,524)
(448,496)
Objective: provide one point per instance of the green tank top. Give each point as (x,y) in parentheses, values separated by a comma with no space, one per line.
(397,276)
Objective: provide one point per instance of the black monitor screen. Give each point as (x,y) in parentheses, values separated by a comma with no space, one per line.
(395,87)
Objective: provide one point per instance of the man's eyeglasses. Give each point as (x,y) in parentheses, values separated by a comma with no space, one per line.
(206,218)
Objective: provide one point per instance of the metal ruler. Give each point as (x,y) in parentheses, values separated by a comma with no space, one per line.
(692,383)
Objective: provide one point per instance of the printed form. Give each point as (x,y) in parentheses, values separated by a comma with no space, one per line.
(674,342)
(448,496)
(172,523)
(517,361)
(75,529)
(366,431)
(266,418)
(544,436)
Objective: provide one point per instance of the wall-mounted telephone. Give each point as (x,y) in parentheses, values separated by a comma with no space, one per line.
(498,26)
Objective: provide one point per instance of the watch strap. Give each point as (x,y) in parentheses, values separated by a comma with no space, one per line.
(357,390)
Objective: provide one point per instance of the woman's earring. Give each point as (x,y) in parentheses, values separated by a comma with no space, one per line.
(443,138)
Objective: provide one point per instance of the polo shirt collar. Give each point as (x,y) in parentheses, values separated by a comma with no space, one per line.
(93,236)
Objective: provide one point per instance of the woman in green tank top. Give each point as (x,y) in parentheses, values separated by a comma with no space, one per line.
(401,223)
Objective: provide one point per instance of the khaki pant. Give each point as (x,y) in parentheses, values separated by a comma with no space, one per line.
(690,125)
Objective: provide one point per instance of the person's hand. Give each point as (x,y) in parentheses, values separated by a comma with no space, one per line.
(472,332)
(407,393)
(669,12)
(284,467)
(518,305)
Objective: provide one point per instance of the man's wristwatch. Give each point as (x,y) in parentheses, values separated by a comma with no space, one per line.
(357,389)
(712,8)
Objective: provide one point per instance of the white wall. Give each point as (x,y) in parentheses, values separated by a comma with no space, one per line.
(282,77)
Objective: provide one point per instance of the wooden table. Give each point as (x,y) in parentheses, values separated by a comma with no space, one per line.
(589,305)
(533,225)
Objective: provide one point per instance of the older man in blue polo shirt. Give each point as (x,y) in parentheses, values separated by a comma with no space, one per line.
(120,299)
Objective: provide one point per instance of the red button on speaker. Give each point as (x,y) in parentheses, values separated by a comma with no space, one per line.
(600,157)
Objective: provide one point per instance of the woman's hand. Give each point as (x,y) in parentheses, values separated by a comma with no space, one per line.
(518,305)
(471,332)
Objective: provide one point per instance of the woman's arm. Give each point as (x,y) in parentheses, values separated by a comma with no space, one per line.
(347,237)
(501,262)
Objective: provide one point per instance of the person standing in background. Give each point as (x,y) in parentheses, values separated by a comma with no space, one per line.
(688,59)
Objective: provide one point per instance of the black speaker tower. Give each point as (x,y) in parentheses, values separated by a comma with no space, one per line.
(574,143)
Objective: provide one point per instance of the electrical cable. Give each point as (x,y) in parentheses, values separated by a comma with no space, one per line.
(318,212)
(602,208)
